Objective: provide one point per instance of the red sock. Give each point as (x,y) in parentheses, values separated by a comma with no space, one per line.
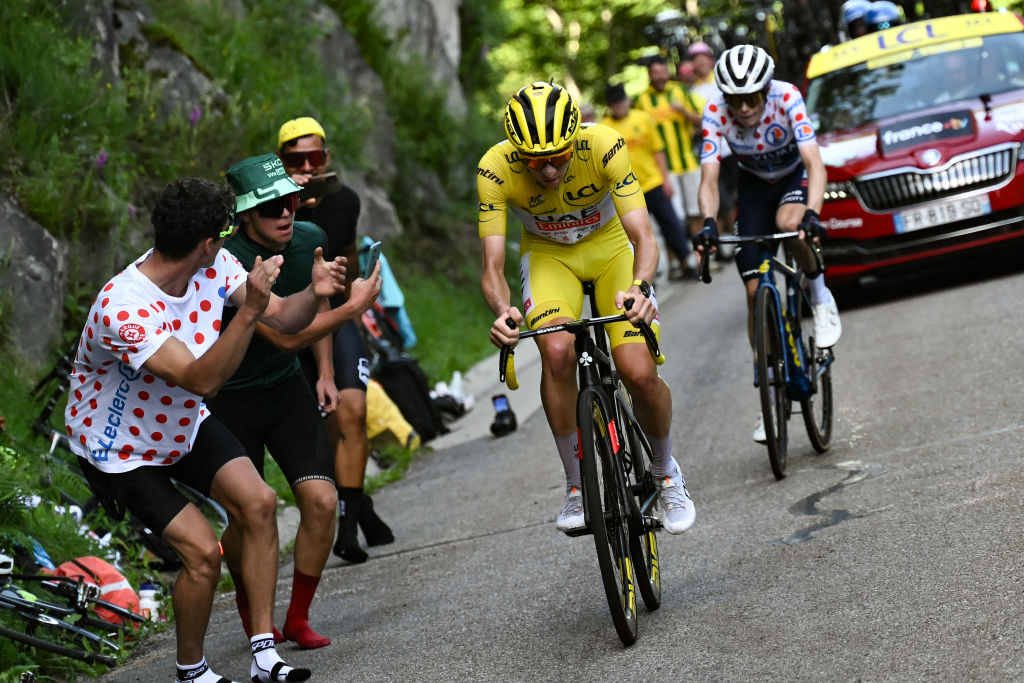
(242,601)
(296,622)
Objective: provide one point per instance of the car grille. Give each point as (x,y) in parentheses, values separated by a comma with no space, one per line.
(906,187)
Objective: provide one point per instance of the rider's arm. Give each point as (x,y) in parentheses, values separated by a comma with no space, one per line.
(492,282)
(707,195)
(816,176)
(497,293)
(637,224)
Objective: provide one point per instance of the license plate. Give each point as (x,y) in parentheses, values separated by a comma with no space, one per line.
(939,214)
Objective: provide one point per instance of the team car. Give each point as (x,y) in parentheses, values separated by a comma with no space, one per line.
(920,127)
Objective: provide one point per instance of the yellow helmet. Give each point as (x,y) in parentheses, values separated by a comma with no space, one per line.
(542,119)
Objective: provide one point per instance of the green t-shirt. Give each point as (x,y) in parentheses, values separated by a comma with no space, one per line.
(264,364)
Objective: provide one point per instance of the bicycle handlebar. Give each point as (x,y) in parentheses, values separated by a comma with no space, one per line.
(706,240)
(506,357)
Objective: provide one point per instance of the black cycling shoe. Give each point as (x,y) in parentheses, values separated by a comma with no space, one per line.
(347,544)
(374,528)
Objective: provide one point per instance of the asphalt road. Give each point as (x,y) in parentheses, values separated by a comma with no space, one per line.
(895,556)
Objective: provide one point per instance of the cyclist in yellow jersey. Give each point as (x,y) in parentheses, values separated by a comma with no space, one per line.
(584,219)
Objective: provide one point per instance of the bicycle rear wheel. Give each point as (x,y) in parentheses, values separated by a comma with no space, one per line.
(771,372)
(607,507)
(817,410)
(643,541)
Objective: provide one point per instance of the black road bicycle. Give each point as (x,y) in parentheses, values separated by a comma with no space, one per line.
(65,622)
(619,493)
(788,365)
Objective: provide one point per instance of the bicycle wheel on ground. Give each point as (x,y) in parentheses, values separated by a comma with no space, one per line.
(42,625)
(607,507)
(771,372)
(643,541)
(817,410)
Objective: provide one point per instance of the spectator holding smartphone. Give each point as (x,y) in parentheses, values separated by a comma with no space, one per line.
(302,145)
(267,403)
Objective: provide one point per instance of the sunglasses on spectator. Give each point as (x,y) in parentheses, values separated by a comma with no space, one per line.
(315,157)
(538,163)
(275,207)
(229,228)
(751,99)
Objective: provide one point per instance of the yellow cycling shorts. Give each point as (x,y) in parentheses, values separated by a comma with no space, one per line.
(552,274)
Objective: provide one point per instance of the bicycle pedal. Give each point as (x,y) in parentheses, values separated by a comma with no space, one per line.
(652,523)
(582,531)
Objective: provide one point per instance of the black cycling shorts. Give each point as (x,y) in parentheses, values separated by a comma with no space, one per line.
(759,200)
(351,360)
(283,419)
(147,491)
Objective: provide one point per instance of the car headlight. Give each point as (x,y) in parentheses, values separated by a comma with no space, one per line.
(835,192)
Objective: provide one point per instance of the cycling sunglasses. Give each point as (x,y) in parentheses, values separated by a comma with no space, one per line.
(315,157)
(751,99)
(538,163)
(275,207)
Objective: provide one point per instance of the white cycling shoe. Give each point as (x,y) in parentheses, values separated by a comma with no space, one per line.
(678,513)
(571,516)
(759,434)
(827,326)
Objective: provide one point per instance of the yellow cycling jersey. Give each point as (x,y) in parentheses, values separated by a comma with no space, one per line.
(643,142)
(676,130)
(599,185)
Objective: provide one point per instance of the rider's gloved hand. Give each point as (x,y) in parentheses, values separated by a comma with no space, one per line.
(811,224)
(706,236)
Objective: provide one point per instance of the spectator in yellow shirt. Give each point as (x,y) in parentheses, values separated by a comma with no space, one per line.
(647,156)
(677,111)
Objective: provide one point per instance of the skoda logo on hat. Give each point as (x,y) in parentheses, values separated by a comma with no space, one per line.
(259,179)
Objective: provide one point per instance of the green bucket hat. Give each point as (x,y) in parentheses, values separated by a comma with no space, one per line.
(259,179)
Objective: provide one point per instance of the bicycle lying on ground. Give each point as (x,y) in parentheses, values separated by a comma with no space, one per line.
(788,366)
(619,492)
(66,624)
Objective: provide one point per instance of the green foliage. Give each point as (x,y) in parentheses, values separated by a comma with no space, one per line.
(579,43)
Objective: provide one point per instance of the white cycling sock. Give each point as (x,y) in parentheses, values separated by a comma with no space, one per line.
(267,665)
(817,290)
(197,673)
(662,465)
(569,451)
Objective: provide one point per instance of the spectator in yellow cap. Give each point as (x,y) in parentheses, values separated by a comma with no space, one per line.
(302,145)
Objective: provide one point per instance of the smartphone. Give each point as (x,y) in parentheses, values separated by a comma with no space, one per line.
(371,259)
(320,186)
(500,403)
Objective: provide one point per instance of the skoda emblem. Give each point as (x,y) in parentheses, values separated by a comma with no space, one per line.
(930,157)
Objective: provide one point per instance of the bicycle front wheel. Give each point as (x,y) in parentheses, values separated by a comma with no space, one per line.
(817,410)
(771,372)
(607,508)
(643,541)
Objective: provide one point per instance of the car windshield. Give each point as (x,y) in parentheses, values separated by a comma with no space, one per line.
(952,72)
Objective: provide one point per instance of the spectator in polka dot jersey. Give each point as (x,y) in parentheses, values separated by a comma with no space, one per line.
(153,346)
(267,403)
